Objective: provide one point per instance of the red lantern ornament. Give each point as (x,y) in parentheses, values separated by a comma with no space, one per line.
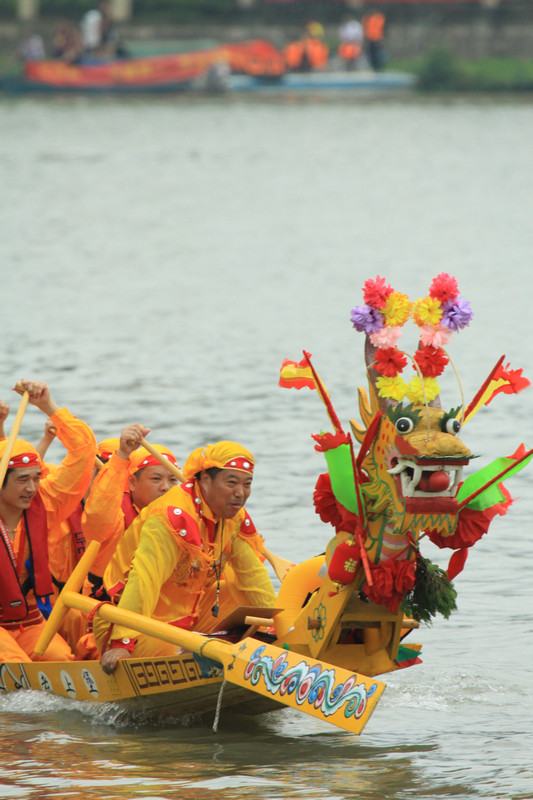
(344,562)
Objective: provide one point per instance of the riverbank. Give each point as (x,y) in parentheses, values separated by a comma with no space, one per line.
(442,71)
(460,48)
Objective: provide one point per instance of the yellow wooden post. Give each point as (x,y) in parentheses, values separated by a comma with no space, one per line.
(60,610)
(6,455)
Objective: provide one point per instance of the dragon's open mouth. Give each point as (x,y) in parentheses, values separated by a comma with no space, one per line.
(438,479)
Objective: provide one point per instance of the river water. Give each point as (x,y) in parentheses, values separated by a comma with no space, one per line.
(159,260)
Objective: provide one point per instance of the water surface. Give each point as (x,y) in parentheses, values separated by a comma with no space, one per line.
(159,259)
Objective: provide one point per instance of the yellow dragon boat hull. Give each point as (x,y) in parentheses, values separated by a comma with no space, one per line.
(177,687)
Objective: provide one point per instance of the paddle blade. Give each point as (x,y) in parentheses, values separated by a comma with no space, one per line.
(314,687)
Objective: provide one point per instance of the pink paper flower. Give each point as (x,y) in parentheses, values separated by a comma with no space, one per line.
(437,336)
(386,337)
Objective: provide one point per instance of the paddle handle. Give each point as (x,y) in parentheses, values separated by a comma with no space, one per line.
(259,621)
(162,460)
(60,609)
(216,649)
(6,455)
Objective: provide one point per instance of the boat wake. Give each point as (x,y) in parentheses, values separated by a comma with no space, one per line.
(28,702)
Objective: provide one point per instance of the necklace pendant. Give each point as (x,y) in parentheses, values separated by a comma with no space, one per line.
(214,611)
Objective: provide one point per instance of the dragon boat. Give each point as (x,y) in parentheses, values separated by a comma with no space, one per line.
(346,617)
(170,73)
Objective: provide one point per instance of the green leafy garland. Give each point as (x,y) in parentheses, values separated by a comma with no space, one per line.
(433,593)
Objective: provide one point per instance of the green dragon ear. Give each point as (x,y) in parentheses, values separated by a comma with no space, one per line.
(340,468)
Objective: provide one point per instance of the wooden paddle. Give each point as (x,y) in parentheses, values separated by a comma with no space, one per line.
(6,455)
(314,687)
(281,566)
(163,460)
(60,610)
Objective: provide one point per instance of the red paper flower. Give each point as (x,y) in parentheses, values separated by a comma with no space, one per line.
(404,579)
(325,501)
(389,361)
(382,591)
(431,361)
(392,580)
(375,292)
(444,287)
(329,441)
(329,509)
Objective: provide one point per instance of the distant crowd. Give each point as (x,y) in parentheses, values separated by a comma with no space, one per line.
(360,42)
(95,38)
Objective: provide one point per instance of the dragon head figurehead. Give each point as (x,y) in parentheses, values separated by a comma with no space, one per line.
(415,458)
(414,467)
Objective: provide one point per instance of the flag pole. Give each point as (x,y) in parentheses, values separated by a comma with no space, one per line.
(495,479)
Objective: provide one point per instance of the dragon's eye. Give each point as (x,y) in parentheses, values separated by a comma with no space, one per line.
(449,422)
(452,426)
(404,425)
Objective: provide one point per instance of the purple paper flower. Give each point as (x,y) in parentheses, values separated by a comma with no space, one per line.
(366,319)
(456,314)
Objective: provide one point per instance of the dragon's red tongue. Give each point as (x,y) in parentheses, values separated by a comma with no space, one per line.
(436,482)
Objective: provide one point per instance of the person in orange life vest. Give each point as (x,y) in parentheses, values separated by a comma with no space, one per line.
(374,32)
(33,503)
(350,41)
(186,539)
(308,53)
(66,543)
(130,479)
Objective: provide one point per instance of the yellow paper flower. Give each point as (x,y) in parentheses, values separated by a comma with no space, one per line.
(396,309)
(393,388)
(415,392)
(427,311)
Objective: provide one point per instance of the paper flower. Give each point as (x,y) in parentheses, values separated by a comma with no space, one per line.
(389,361)
(418,394)
(444,288)
(366,319)
(456,314)
(375,292)
(437,336)
(427,311)
(396,309)
(437,316)
(431,361)
(391,388)
(386,336)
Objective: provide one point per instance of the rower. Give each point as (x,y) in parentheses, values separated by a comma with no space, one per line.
(130,479)
(171,563)
(33,505)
